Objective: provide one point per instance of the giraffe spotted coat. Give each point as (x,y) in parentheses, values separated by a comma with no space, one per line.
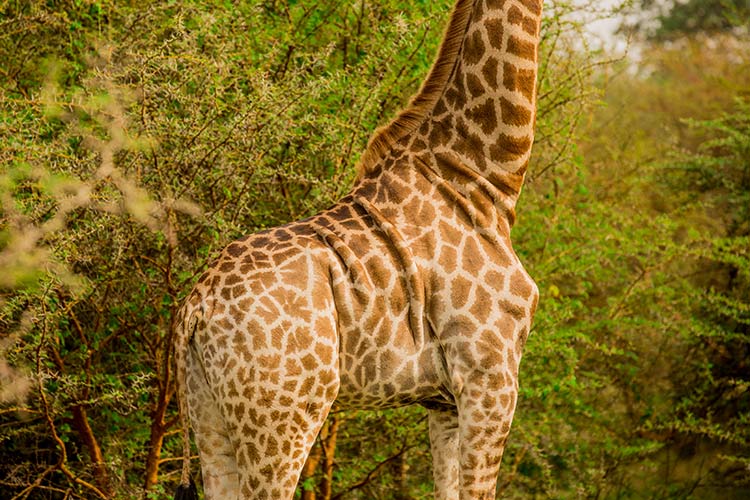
(407,291)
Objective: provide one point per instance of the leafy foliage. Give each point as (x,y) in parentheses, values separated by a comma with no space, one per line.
(666,20)
(140,140)
(137,140)
(634,381)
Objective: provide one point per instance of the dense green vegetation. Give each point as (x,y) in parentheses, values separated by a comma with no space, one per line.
(666,19)
(138,138)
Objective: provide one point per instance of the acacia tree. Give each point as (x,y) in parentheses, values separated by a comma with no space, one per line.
(662,20)
(136,143)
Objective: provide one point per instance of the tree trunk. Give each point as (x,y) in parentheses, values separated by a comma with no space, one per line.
(158,425)
(328,445)
(154,453)
(308,471)
(81,424)
(400,474)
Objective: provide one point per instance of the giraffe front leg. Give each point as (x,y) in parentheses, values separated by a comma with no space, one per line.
(485,412)
(444,444)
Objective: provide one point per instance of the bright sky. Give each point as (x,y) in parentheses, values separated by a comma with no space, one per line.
(602,31)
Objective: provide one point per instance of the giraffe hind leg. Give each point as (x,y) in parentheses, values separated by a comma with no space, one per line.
(279,428)
(218,458)
(275,476)
(257,453)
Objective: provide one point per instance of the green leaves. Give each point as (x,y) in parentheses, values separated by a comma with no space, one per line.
(140,139)
(157,134)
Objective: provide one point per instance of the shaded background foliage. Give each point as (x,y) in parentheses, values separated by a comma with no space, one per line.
(671,19)
(140,138)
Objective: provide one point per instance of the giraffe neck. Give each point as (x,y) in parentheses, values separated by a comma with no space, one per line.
(476,110)
(490,99)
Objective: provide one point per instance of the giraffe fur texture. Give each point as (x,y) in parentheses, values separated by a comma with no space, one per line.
(407,291)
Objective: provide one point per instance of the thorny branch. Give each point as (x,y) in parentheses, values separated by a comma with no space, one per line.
(61,464)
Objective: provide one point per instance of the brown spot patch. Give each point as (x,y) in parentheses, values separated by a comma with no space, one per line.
(534,6)
(495,32)
(378,273)
(301,339)
(281,332)
(494,280)
(441,133)
(418,146)
(292,368)
(519,80)
(520,286)
(482,305)
(484,115)
(472,146)
(307,386)
(515,312)
(235,249)
(521,48)
(448,258)
(309,362)
(510,184)
(475,85)
(474,48)
(509,148)
(382,335)
(460,291)
(252,453)
(232,280)
(505,401)
(491,341)
(440,107)
(239,291)
(269,361)
(427,215)
(515,16)
(268,311)
(530,26)
(450,234)
(513,114)
(490,72)
(324,353)
(424,128)
(261,240)
(456,95)
(523,335)
(388,361)
(426,243)
(412,206)
(471,260)
(283,235)
(506,328)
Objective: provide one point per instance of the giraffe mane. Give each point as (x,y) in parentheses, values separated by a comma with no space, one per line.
(420,105)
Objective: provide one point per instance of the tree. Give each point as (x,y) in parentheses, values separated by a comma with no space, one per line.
(619,366)
(137,141)
(661,20)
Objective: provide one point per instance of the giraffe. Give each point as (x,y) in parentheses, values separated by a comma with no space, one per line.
(407,291)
